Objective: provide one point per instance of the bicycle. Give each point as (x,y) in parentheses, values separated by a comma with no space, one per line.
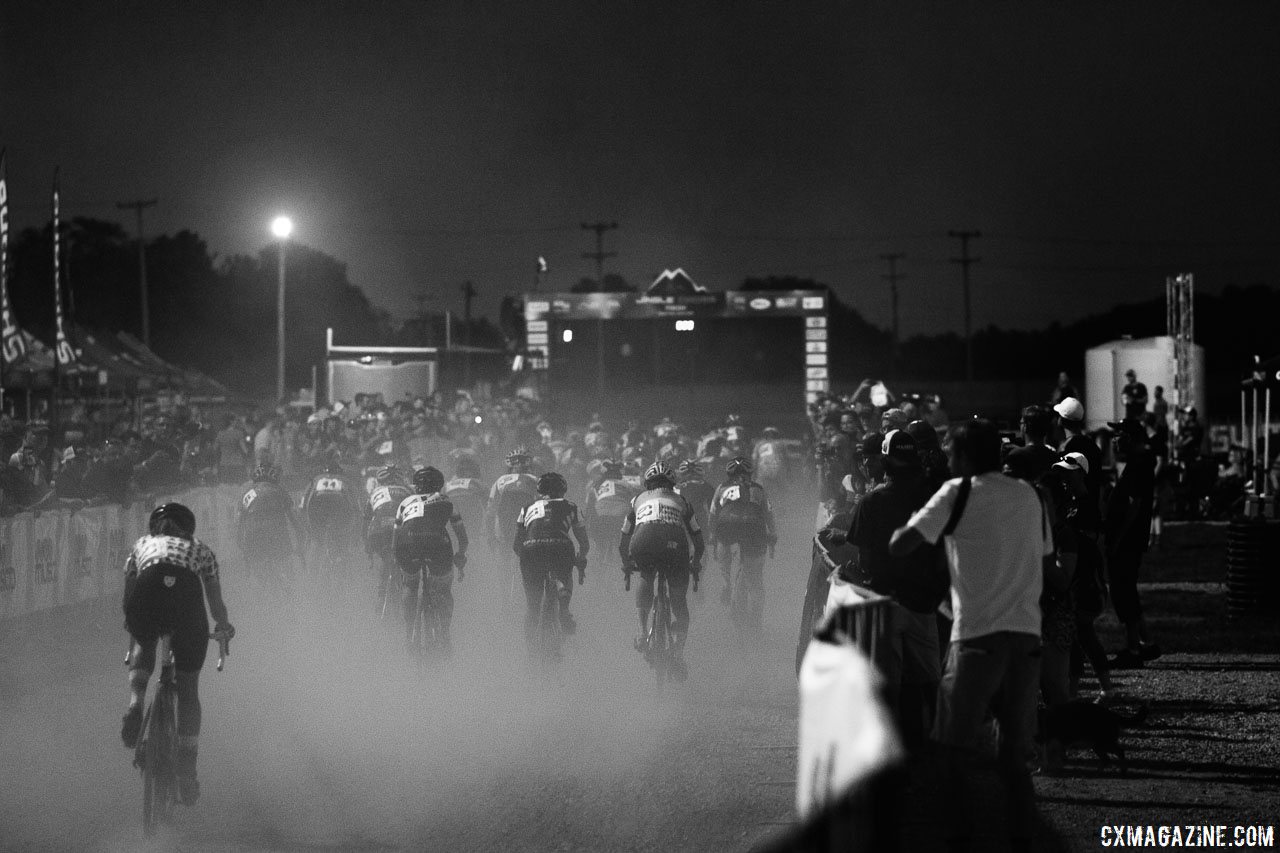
(156,753)
(658,644)
(550,630)
(427,639)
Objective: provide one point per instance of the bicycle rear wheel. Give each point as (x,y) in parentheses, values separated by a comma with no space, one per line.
(549,631)
(660,645)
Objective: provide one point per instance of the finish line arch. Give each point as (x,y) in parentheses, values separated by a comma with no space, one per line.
(679,349)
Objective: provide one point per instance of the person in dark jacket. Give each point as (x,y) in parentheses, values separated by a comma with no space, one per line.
(1127,527)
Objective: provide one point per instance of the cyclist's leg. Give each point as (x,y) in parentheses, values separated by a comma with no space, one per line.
(751,577)
(644,598)
(563,572)
(677,573)
(725,559)
(142,663)
(190,646)
(532,575)
(411,580)
(442,601)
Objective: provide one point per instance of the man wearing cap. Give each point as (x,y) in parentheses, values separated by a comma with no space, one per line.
(1133,396)
(1071,419)
(908,655)
(1127,528)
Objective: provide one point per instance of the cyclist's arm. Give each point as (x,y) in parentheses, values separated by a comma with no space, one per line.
(520,534)
(213,590)
(624,541)
(459,532)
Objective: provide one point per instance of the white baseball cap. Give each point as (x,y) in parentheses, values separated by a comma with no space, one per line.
(1070,409)
(1074,461)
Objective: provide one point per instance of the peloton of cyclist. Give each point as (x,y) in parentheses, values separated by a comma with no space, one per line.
(509,494)
(168,579)
(380,522)
(265,523)
(655,538)
(698,492)
(469,494)
(608,500)
(422,542)
(741,516)
(545,550)
(332,505)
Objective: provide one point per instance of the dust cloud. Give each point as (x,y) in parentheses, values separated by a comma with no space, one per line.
(321,733)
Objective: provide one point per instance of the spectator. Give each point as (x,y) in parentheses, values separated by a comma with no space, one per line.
(996,561)
(1160,408)
(69,485)
(1190,436)
(907,655)
(1127,528)
(109,474)
(1071,419)
(1063,389)
(933,461)
(1032,461)
(233,455)
(10,436)
(1133,396)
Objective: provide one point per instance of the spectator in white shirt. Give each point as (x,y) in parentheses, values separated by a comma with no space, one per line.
(996,556)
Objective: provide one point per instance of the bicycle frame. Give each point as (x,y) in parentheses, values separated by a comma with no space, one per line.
(425,637)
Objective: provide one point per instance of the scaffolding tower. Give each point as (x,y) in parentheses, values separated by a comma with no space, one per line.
(1180,321)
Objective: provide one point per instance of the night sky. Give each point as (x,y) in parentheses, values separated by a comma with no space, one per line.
(1098,146)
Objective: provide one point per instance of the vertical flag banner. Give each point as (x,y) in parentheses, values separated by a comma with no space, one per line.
(66,356)
(11,342)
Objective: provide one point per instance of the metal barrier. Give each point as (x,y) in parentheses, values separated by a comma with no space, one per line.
(60,557)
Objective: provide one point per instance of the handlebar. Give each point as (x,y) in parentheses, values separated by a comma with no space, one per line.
(224,647)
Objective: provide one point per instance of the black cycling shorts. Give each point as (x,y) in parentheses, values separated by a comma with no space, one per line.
(416,549)
(749,534)
(549,554)
(265,540)
(170,600)
(327,511)
(664,542)
(380,536)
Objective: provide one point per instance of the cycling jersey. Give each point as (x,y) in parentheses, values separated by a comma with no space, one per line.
(509,495)
(659,525)
(468,494)
(610,498)
(740,510)
(549,518)
(380,515)
(331,500)
(266,501)
(422,536)
(699,494)
(769,459)
(164,594)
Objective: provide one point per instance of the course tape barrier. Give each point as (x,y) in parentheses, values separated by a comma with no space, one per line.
(61,557)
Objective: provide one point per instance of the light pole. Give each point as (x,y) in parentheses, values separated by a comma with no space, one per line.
(282,227)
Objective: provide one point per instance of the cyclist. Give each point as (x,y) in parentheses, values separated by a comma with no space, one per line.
(510,494)
(168,579)
(545,550)
(655,538)
(769,460)
(265,523)
(740,516)
(379,524)
(422,541)
(469,494)
(608,500)
(697,491)
(332,507)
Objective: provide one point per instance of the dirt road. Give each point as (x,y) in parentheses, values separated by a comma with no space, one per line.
(320,736)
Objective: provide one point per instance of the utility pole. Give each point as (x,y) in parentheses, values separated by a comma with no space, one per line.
(599,255)
(422,298)
(893,278)
(138,207)
(468,293)
(964,260)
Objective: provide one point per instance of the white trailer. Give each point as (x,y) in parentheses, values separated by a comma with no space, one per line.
(397,373)
(1152,359)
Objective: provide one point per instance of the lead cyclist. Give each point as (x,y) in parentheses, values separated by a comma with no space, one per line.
(655,537)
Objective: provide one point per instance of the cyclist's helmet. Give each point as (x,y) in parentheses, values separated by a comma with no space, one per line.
(266,474)
(389,475)
(519,456)
(690,468)
(658,475)
(552,485)
(428,481)
(738,467)
(172,519)
(333,465)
